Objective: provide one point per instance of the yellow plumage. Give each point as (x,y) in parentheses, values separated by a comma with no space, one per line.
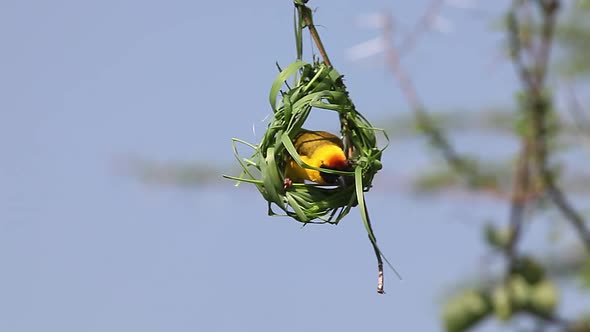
(318,149)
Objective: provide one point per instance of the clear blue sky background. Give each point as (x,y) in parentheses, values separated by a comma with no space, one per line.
(85,249)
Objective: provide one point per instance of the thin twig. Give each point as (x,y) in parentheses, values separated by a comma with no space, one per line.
(570,213)
(549,8)
(308,20)
(516,47)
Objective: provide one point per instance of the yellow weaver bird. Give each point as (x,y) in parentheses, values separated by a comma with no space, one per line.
(319,149)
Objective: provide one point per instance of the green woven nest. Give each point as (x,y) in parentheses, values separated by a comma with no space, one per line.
(317,87)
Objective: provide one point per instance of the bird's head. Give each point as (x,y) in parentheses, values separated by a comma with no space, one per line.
(336,161)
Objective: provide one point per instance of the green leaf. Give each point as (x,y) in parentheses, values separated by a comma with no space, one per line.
(464,311)
(502,303)
(544,297)
(520,291)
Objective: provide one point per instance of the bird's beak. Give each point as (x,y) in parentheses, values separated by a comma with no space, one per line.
(344,180)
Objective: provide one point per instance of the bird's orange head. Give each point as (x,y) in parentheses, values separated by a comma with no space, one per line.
(335,161)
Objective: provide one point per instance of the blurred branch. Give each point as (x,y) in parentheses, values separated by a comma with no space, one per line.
(441,179)
(179,174)
(522,169)
(520,190)
(552,319)
(461,165)
(538,104)
(571,214)
(523,287)
(560,264)
(492,120)
(581,119)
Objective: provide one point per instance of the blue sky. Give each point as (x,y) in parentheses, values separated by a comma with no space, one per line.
(82,248)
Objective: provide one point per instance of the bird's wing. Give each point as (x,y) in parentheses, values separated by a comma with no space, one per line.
(306,142)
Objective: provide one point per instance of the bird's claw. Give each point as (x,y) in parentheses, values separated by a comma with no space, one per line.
(287,183)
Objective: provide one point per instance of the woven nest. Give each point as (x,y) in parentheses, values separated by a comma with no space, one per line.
(317,87)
